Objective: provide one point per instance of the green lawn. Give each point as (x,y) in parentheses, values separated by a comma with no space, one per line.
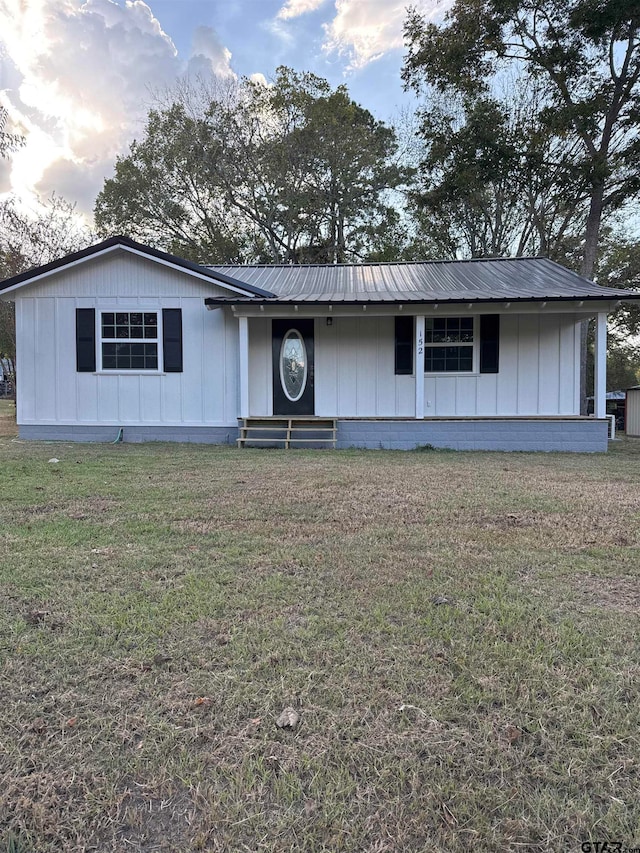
(7,418)
(458,633)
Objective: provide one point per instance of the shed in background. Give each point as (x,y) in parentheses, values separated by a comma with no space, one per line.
(633,412)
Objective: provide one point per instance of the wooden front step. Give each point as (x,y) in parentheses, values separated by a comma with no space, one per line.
(287,432)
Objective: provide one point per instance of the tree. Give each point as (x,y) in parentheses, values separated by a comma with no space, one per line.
(623,367)
(28,241)
(290,172)
(491,180)
(158,195)
(9,142)
(619,266)
(623,363)
(586,55)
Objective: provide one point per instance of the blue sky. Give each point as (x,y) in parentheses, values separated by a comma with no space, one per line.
(76,76)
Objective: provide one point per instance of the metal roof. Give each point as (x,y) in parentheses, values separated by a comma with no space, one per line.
(478,280)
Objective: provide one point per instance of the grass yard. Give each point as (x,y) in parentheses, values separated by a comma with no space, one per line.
(7,418)
(458,633)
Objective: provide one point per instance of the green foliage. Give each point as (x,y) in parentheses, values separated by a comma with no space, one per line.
(291,172)
(620,267)
(493,181)
(623,367)
(623,362)
(160,185)
(585,58)
(28,241)
(8,335)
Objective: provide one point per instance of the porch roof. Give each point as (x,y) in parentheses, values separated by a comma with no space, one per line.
(478,280)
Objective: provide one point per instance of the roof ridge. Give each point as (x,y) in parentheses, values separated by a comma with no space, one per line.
(386,263)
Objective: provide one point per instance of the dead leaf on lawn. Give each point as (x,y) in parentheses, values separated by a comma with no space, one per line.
(71,722)
(203,702)
(288,719)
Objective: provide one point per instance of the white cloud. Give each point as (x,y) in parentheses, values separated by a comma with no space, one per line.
(77,79)
(208,48)
(365,30)
(295,8)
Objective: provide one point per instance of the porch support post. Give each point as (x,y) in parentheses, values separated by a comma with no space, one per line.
(418,367)
(600,375)
(244,367)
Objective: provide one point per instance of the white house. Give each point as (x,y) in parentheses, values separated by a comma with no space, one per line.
(121,340)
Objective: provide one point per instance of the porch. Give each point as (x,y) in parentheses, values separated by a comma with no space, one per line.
(564,434)
(353,364)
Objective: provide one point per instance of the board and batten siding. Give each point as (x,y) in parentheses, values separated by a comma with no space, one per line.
(355,362)
(354,369)
(355,378)
(204,394)
(539,373)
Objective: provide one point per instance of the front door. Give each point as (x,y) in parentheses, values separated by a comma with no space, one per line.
(293,367)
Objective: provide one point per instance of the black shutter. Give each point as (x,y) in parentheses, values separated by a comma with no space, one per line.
(172,339)
(489,343)
(404,346)
(85,340)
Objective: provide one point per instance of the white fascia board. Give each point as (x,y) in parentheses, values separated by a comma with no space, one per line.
(583,307)
(210,279)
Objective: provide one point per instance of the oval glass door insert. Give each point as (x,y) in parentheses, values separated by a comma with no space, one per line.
(293,365)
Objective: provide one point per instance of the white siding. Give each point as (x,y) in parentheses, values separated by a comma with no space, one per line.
(538,375)
(354,371)
(354,359)
(121,274)
(204,394)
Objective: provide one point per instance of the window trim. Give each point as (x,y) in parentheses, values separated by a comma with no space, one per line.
(134,371)
(475,345)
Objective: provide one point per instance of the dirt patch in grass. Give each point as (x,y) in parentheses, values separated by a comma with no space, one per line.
(570,530)
(620,594)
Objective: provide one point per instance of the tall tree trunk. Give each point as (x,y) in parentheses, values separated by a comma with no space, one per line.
(592,231)
(341,245)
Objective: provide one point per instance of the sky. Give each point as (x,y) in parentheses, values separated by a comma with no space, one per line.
(77,77)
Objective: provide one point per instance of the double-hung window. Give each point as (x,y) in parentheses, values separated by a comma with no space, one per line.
(449,344)
(129,340)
